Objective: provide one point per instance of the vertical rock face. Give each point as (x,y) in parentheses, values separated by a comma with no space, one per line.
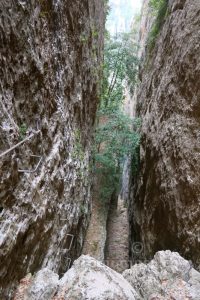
(50,53)
(145,26)
(164,212)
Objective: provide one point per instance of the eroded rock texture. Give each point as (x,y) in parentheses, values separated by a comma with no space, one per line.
(164,212)
(168,276)
(50,58)
(87,279)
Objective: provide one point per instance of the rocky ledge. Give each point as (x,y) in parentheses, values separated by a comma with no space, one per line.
(167,276)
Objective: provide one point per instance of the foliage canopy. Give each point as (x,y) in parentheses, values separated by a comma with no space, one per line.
(114,137)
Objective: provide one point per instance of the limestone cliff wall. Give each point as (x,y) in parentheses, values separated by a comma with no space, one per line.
(50,61)
(164,210)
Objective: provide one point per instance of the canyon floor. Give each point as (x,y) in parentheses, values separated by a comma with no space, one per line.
(117,243)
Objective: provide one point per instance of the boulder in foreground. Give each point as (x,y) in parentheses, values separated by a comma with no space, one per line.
(168,276)
(87,279)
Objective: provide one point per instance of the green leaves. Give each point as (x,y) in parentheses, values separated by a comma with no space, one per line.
(120,66)
(155,4)
(22,131)
(115,138)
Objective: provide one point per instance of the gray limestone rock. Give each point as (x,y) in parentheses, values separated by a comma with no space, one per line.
(167,276)
(44,285)
(49,67)
(87,279)
(92,280)
(164,208)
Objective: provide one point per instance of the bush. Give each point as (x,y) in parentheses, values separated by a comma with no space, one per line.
(116,135)
(119,141)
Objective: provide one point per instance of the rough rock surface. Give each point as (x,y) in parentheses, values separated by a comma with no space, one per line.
(117,242)
(43,286)
(164,210)
(87,279)
(145,26)
(168,276)
(50,57)
(95,240)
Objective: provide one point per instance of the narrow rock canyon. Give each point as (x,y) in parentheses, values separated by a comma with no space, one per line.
(99,150)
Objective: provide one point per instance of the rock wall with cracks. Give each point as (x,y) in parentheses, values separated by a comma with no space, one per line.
(164,210)
(50,62)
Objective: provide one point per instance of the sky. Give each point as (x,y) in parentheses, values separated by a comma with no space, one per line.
(121,15)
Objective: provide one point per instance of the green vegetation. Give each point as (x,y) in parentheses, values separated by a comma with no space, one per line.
(78,152)
(160,11)
(83,209)
(95,246)
(22,131)
(115,138)
(94,33)
(120,64)
(84,38)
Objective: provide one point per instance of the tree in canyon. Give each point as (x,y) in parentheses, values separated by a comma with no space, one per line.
(115,138)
